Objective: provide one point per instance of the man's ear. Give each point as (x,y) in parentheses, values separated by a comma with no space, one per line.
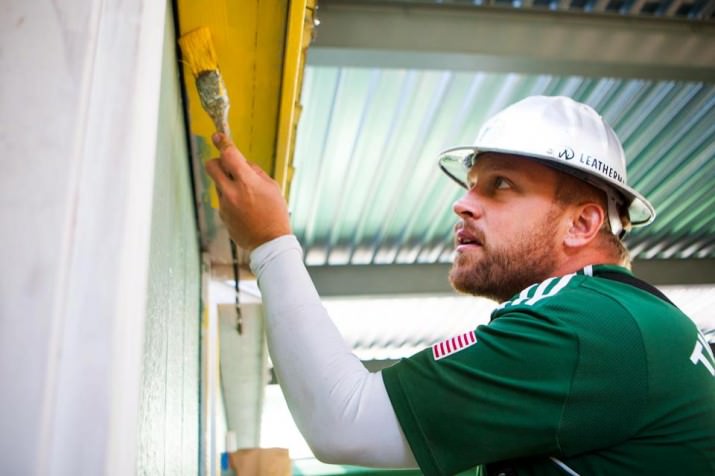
(586,221)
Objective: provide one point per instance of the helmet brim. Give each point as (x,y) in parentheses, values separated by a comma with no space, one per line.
(456,162)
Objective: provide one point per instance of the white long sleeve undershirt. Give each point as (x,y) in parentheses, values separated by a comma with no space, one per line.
(342,409)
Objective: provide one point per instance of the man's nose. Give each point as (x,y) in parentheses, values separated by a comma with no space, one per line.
(467,206)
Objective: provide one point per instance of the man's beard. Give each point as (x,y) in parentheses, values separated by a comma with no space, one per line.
(501,273)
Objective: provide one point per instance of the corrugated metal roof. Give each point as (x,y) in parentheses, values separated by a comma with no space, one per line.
(367,189)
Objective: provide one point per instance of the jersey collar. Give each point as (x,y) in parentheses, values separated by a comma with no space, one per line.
(589,270)
(595,269)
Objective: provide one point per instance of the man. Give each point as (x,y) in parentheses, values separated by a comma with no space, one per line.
(583,369)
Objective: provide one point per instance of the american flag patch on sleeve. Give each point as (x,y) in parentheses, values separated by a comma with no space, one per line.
(454,344)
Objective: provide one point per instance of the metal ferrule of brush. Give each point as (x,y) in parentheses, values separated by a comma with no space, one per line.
(214,98)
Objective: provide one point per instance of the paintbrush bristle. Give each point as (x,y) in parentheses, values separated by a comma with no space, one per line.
(200,57)
(198,51)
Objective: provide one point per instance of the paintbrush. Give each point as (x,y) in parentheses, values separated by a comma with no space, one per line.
(200,56)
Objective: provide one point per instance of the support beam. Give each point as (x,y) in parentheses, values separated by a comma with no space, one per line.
(494,39)
(376,280)
(432,278)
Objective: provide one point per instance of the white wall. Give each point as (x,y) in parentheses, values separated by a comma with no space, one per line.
(169,405)
(79,86)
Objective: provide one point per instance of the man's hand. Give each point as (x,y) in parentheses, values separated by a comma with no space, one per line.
(251,204)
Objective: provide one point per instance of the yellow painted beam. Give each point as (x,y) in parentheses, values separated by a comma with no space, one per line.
(301,21)
(260,47)
(249,38)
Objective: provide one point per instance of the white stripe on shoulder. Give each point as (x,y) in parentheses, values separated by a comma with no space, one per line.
(523,296)
(563,281)
(540,291)
(563,466)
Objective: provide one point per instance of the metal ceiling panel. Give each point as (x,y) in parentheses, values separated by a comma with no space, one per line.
(542,39)
(367,189)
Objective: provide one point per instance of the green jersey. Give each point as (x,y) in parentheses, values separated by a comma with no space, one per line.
(578,374)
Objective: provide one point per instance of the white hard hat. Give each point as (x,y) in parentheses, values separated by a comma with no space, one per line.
(563,134)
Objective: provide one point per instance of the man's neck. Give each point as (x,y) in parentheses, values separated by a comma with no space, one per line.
(572,264)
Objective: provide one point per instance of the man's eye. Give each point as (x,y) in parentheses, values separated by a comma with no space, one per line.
(501,183)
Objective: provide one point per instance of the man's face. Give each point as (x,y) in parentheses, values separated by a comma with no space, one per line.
(507,235)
